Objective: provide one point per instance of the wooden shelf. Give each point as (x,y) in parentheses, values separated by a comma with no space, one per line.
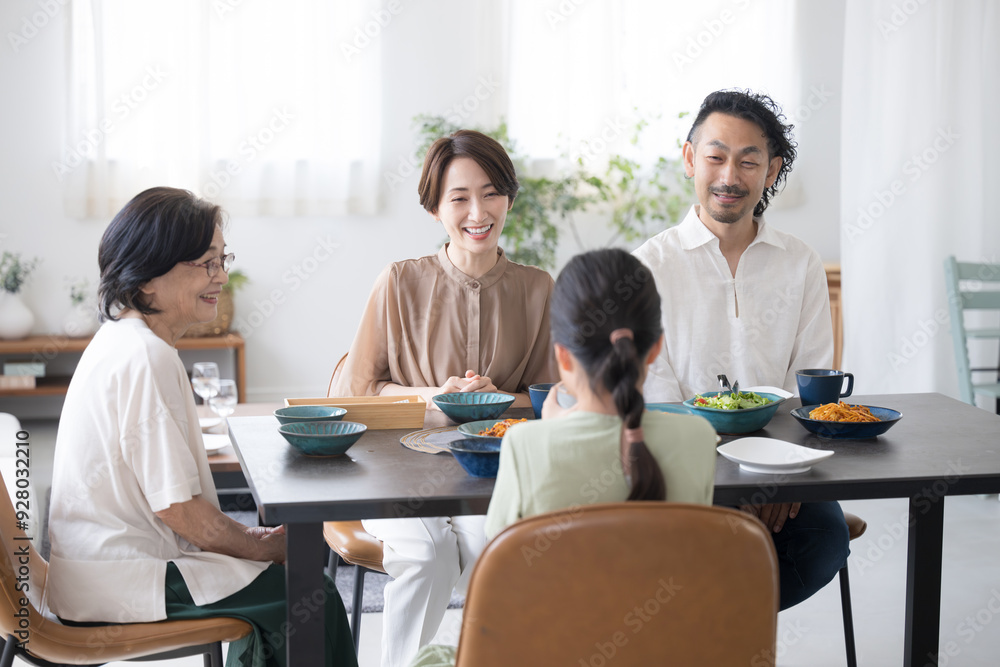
(47,386)
(46,348)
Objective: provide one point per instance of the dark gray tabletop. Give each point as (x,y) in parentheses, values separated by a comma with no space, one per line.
(938,440)
(941,445)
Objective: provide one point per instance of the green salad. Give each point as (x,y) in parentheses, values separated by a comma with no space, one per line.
(740,401)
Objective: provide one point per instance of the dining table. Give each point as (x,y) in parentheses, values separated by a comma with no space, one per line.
(940,447)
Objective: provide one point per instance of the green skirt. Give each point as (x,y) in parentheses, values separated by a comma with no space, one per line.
(262,604)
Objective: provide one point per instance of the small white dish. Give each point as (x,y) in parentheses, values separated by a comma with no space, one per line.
(209,423)
(768,455)
(769,390)
(215,442)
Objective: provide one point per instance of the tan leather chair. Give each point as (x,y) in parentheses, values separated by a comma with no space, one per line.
(54,642)
(354,545)
(856,527)
(640,583)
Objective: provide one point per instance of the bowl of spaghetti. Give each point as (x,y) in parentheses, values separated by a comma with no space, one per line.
(488,428)
(842,421)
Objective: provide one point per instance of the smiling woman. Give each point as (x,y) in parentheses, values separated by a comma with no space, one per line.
(140,537)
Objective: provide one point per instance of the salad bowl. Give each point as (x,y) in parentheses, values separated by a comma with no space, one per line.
(729,415)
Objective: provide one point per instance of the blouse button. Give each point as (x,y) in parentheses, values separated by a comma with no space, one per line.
(475,285)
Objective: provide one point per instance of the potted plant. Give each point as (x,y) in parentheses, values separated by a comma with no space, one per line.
(82,317)
(224,318)
(16,319)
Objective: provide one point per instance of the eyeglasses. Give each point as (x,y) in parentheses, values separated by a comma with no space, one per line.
(213,265)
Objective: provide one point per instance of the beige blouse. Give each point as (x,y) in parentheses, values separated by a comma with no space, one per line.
(426,321)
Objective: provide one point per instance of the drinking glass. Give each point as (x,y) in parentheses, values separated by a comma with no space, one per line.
(205,379)
(223,403)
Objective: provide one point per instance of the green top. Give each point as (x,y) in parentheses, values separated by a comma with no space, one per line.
(574,460)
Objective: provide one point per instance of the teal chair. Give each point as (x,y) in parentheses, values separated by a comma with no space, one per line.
(981,292)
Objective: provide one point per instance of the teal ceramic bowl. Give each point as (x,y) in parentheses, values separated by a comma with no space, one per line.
(472,429)
(480,457)
(325,438)
(734,422)
(473,406)
(309,413)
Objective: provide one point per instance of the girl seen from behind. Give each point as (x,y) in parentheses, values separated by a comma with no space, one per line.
(607,447)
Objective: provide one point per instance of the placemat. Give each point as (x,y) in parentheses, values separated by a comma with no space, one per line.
(431,440)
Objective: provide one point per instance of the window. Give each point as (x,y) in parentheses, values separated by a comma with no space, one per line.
(265,108)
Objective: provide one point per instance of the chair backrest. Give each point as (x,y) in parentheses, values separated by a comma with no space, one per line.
(639,583)
(972,297)
(336,372)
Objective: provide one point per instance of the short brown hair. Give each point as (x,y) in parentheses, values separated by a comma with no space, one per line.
(486,151)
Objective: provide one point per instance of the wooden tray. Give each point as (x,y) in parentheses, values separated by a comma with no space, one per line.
(375,412)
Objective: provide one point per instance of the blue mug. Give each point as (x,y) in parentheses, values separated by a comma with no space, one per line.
(537,393)
(819,386)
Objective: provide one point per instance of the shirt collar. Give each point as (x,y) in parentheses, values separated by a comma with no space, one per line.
(488,279)
(693,233)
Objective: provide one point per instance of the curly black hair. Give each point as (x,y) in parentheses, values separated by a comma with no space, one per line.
(761,110)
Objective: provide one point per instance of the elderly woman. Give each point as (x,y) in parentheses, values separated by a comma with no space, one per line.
(464,319)
(136,530)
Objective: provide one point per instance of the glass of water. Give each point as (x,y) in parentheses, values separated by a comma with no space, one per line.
(205,379)
(223,403)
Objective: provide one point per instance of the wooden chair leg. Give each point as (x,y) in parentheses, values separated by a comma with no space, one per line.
(845,601)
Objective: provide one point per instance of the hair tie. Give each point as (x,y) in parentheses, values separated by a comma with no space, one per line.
(634,435)
(618,334)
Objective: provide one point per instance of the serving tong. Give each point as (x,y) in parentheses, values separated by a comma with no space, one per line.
(724,383)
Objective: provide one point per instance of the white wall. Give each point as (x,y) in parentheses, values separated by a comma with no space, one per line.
(297,342)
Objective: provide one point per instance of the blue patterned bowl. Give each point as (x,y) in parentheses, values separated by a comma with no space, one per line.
(309,413)
(470,406)
(848,430)
(480,457)
(327,438)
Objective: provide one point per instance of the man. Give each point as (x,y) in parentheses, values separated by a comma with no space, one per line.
(747,300)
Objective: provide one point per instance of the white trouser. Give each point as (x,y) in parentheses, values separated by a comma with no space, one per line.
(427,559)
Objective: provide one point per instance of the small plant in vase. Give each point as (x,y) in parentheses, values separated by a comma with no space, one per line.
(82,317)
(16,319)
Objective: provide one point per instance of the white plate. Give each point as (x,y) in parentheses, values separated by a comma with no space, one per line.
(769,390)
(209,423)
(768,455)
(214,442)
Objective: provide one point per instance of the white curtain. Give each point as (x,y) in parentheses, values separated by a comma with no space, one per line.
(919,163)
(265,108)
(593,69)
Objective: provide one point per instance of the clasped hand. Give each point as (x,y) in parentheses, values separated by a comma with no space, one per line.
(471,382)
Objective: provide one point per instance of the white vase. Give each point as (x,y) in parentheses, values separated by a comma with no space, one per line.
(80,321)
(16,319)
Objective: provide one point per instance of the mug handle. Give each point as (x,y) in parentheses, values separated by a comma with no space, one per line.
(850,385)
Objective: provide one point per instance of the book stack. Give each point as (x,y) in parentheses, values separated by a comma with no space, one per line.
(21,373)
